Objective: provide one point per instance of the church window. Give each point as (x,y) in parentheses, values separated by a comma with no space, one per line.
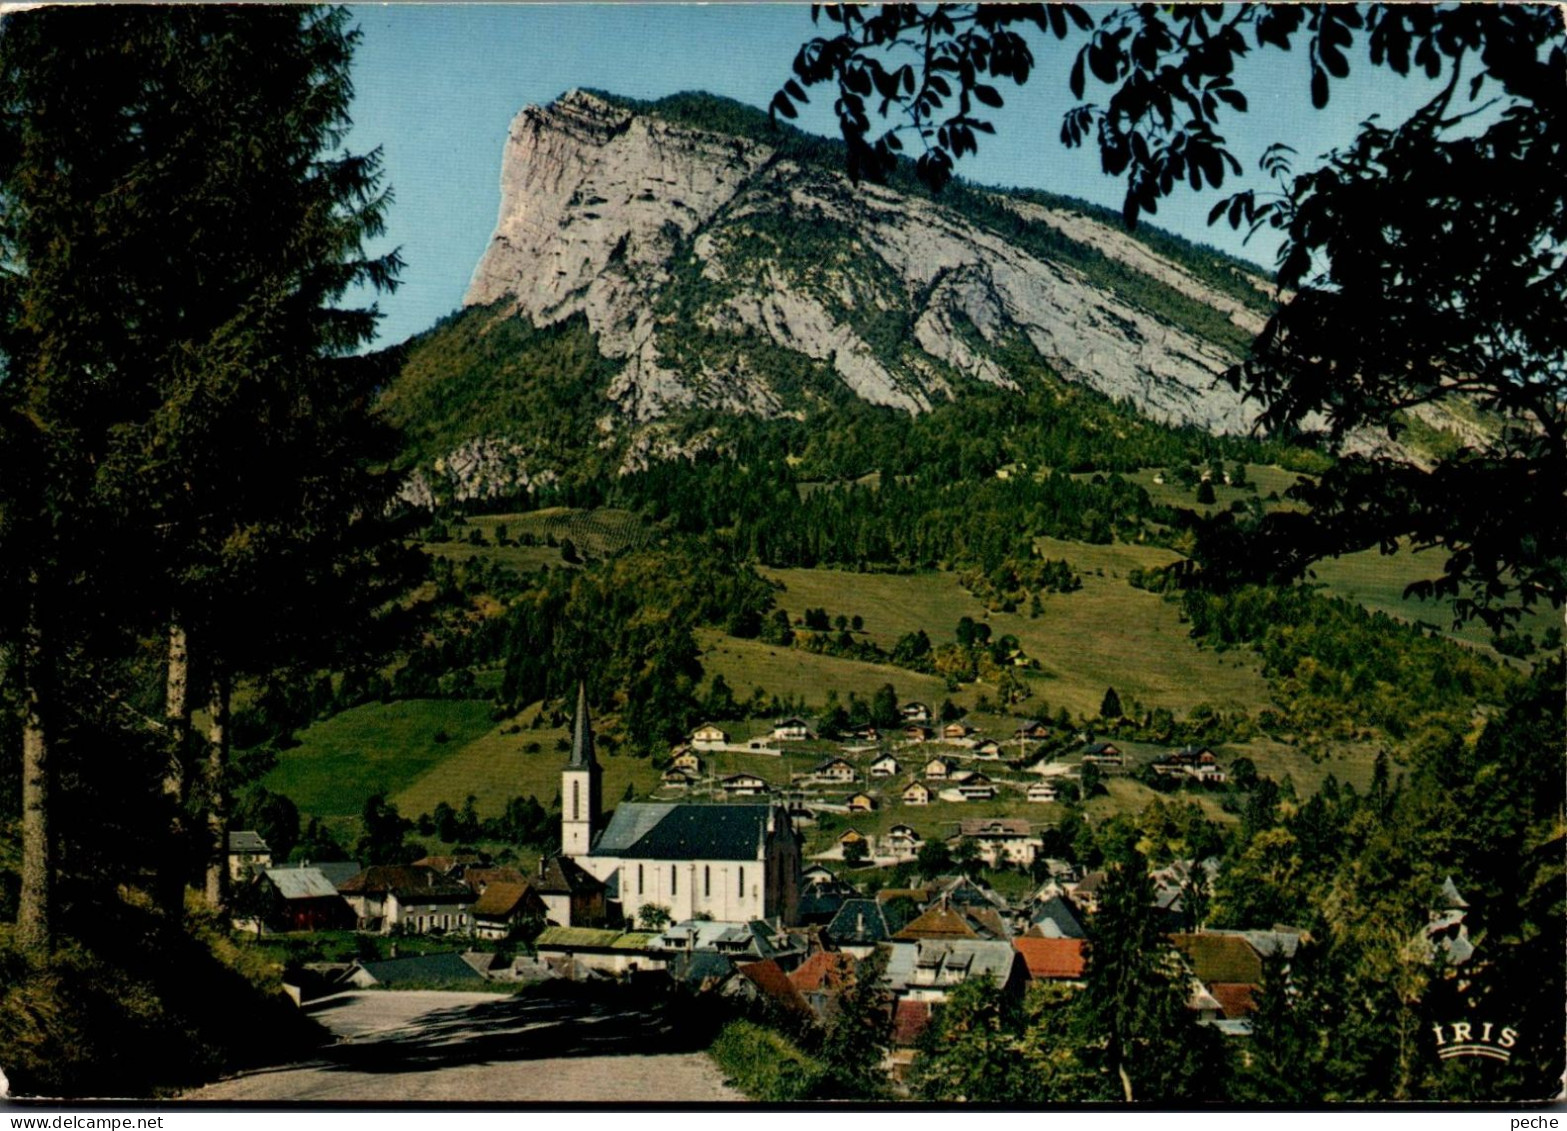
(672,874)
(742,882)
(576,799)
(707,880)
(641,888)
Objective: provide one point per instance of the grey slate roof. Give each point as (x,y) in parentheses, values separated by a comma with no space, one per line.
(337,872)
(686,832)
(244,840)
(301,883)
(424,968)
(859,922)
(1450,897)
(947,961)
(582,733)
(1056,920)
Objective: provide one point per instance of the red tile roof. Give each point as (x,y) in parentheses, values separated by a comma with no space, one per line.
(770,979)
(1052,958)
(909,1020)
(823,970)
(1235,998)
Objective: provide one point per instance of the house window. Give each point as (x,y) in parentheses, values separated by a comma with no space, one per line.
(742,882)
(707,881)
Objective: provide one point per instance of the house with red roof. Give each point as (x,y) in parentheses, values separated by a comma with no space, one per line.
(1053,960)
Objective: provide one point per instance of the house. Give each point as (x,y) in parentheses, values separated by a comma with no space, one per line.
(709,737)
(915,712)
(248,854)
(902,840)
(1191,756)
(885,767)
(916,793)
(854,836)
(419,970)
(1032,729)
(676,778)
(741,942)
(1102,754)
(858,928)
(1055,919)
(734,862)
(1085,892)
(1228,969)
(977,787)
(1040,792)
(766,982)
(453,866)
(954,732)
(792,729)
(820,979)
(926,970)
(939,769)
(821,895)
(835,770)
(862,803)
(576,952)
(917,733)
(413,898)
(939,921)
(1001,840)
(572,896)
(1053,960)
(301,899)
(686,760)
(504,907)
(744,785)
(988,749)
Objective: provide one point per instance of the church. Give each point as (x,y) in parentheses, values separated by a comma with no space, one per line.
(732,862)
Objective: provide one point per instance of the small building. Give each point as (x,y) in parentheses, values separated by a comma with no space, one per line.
(820,979)
(885,767)
(835,770)
(916,793)
(677,778)
(686,760)
(1002,839)
(954,732)
(918,733)
(418,970)
(1052,960)
(1040,792)
(902,840)
(576,952)
(862,803)
(792,729)
(708,737)
(505,907)
(988,749)
(1032,729)
(744,785)
(926,970)
(1055,919)
(915,712)
(938,769)
(248,854)
(572,896)
(413,898)
(977,787)
(858,928)
(1103,754)
(854,836)
(301,899)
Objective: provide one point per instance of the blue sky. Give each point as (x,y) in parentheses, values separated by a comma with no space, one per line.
(438,85)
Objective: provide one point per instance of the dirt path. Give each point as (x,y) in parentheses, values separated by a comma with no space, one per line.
(397,1046)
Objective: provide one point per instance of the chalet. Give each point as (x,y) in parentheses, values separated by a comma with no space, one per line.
(835,770)
(1042,791)
(918,733)
(916,793)
(709,737)
(248,854)
(744,785)
(301,899)
(954,732)
(902,840)
(862,803)
(1191,756)
(572,897)
(504,907)
(852,836)
(1103,754)
(792,729)
(1032,729)
(939,769)
(977,787)
(676,778)
(413,898)
(915,713)
(864,734)
(1052,960)
(885,767)
(1002,839)
(988,749)
(686,760)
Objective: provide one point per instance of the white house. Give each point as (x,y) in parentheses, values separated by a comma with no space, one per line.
(709,737)
(792,729)
(885,767)
(916,793)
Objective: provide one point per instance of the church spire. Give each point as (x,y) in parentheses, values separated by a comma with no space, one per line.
(582,733)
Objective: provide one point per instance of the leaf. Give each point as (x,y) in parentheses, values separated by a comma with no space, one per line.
(1075,79)
(1319,88)
(1233,97)
(782,105)
(988,95)
(795,92)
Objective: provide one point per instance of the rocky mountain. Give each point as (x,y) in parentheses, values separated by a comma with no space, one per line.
(714,264)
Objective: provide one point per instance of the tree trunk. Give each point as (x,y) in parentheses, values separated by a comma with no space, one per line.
(35,923)
(217,801)
(1126,1080)
(176,714)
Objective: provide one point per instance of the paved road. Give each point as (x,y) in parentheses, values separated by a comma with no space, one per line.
(400,1045)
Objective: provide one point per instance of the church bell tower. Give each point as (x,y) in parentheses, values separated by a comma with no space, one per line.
(580,785)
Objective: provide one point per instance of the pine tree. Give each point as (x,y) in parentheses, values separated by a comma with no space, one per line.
(1110,706)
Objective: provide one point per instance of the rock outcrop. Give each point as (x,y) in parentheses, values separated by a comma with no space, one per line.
(662,234)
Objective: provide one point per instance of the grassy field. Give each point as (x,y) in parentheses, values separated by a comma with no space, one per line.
(792,671)
(595,533)
(343,760)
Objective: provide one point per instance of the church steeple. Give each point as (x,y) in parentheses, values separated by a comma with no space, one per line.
(582,733)
(580,785)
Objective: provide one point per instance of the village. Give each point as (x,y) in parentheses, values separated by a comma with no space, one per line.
(716,897)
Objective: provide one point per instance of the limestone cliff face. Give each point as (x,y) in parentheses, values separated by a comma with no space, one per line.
(660,233)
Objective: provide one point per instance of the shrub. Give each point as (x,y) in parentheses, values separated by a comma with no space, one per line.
(765,1065)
